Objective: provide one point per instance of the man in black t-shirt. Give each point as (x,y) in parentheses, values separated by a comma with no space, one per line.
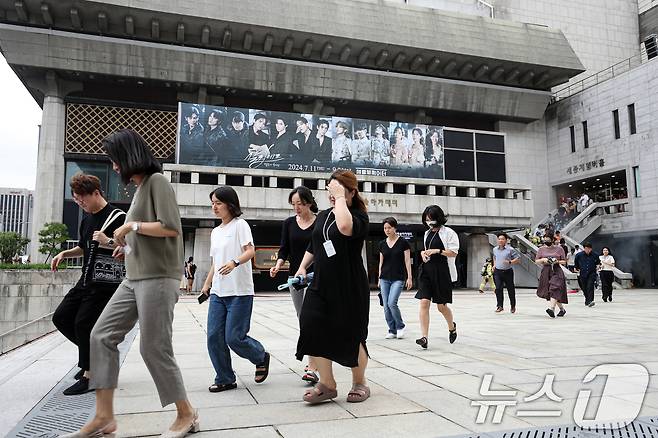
(81,307)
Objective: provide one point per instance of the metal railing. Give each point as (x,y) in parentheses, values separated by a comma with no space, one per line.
(76,262)
(604,75)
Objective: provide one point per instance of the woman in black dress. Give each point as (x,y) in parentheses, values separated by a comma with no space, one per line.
(437,272)
(295,238)
(334,318)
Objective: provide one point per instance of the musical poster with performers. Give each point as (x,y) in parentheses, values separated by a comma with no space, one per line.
(250,138)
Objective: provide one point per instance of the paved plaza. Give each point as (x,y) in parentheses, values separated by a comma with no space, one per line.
(415,392)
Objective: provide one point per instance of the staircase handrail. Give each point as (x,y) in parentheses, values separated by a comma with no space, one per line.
(580,218)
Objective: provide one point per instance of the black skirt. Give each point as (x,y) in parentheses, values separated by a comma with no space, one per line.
(434,282)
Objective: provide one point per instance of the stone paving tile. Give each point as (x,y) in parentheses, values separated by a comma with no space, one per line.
(419,425)
(249,432)
(458,409)
(218,418)
(415,392)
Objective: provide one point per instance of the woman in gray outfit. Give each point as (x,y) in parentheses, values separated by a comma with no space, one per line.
(151,242)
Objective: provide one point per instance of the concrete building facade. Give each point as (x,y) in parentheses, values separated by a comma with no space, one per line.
(470,66)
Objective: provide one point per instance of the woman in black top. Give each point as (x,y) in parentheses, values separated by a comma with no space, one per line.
(295,238)
(334,318)
(394,268)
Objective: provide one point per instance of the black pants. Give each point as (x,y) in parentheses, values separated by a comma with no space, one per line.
(607,277)
(505,278)
(587,285)
(76,315)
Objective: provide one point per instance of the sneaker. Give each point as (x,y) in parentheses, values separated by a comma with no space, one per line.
(400,334)
(610,299)
(499,309)
(79,387)
(551,313)
(481,291)
(513,310)
(389,336)
(591,304)
(562,312)
(79,374)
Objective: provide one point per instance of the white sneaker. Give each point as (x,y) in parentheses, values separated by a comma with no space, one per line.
(400,334)
(390,336)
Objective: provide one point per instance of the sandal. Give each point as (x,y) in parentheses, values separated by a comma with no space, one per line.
(319,393)
(311,377)
(358,393)
(422,342)
(263,370)
(223,387)
(453,333)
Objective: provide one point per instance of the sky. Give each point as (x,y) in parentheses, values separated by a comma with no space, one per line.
(20,117)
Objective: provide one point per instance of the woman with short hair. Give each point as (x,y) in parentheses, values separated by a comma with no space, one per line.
(151,241)
(437,272)
(230,285)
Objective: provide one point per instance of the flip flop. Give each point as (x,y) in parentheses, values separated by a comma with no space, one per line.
(358,393)
(319,394)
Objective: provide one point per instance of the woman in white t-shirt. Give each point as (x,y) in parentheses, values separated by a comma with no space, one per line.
(231,288)
(606,273)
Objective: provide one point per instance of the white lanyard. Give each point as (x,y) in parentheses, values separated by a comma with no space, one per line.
(325,228)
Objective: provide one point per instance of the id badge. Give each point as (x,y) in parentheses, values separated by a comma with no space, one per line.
(329,248)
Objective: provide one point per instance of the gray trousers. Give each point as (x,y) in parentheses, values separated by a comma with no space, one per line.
(297,299)
(151,302)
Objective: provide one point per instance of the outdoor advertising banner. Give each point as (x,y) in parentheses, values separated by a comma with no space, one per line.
(249,138)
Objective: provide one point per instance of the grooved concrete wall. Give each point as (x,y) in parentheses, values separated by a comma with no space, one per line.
(601,33)
(27,296)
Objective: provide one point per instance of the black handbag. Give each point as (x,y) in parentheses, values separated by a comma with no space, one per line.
(102,269)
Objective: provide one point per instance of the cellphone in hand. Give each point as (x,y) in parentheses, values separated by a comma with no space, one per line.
(203,297)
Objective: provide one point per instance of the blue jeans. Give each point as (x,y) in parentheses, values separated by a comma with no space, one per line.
(391,291)
(228,325)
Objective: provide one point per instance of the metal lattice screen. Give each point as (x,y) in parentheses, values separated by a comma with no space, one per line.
(87,125)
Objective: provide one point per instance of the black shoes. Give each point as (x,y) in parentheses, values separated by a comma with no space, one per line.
(562,312)
(453,333)
(551,313)
(79,387)
(591,304)
(422,342)
(223,387)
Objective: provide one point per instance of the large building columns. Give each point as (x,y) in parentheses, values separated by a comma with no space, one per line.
(201,256)
(49,188)
(478,250)
(48,195)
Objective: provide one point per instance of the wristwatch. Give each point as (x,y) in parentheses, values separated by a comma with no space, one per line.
(110,242)
(136,226)
(237,262)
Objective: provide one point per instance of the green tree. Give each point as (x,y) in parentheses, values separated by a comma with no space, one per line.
(51,238)
(11,245)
